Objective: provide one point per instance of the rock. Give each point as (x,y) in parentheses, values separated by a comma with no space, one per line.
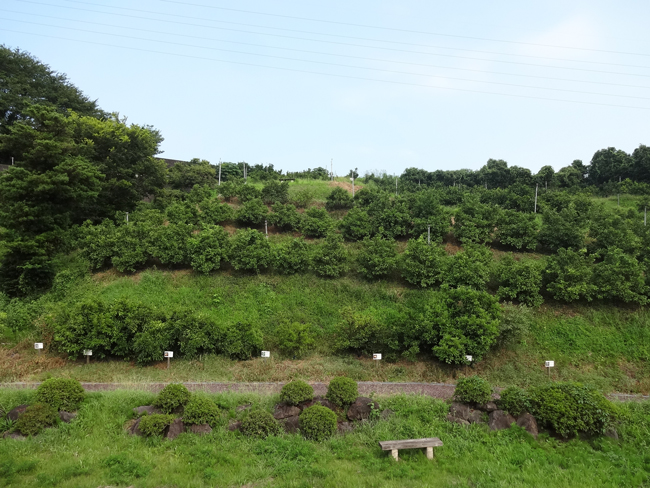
(14,435)
(282,411)
(362,408)
(201,429)
(67,417)
(528,423)
(243,408)
(386,414)
(134,429)
(344,427)
(459,411)
(318,401)
(475,417)
(291,424)
(456,420)
(488,407)
(499,420)
(611,433)
(16,412)
(148,409)
(233,426)
(175,429)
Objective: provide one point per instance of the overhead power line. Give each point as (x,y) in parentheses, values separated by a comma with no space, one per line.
(382,70)
(334,75)
(322,53)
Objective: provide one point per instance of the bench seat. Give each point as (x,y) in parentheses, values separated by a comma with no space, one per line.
(394,446)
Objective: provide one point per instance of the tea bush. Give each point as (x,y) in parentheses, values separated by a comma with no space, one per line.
(473,390)
(295,392)
(201,410)
(260,423)
(60,394)
(172,397)
(342,391)
(317,423)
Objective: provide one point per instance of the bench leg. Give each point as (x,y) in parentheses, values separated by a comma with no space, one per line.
(394,454)
(429,452)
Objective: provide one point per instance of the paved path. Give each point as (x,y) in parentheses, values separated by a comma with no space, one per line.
(435,390)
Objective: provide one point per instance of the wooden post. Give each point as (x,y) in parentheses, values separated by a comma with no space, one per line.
(429,452)
(168,363)
(394,454)
(87,359)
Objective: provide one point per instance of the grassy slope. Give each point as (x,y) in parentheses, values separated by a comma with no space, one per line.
(95,451)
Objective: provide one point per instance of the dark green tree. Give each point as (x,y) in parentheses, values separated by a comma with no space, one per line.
(330,258)
(377,258)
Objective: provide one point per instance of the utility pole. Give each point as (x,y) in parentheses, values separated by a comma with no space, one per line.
(618,203)
(429,234)
(219,171)
(266,228)
(245,173)
(545,186)
(332,169)
(536,186)
(12,160)
(396,178)
(352,184)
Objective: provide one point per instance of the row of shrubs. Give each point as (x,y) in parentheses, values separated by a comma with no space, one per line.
(568,408)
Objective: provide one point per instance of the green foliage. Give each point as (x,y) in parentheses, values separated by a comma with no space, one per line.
(261,424)
(429,217)
(201,410)
(98,242)
(360,332)
(339,199)
(517,229)
(330,258)
(229,189)
(473,390)
(303,198)
(377,258)
(250,251)
(316,222)
(171,397)
(422,264)
(469,267)
(613,229)
(568,275)
(246,193)
(60,394)
(35,418)
(275,192)
(342,391)
(514,400)
(571,408)
(213,212)
(474,221)
(252,212)
(132,249)
(295,339)
(356,225)
(285,216)
(391,220)
(241,341)
(515,323)
(291,256)
(183,176)
(155,424)
(169,243)
(520,280)
(208,248)
(317,423)
(619,276)
(296,392)
(182,212)
(563,229)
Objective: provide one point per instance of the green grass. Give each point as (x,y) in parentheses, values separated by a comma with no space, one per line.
(95,450)
(611,202)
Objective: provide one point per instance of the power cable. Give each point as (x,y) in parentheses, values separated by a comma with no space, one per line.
(334,75)
(285,58)
(324,53)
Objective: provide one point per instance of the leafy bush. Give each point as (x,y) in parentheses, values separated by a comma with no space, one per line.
(229,189)
(275,192)
(292,256)
(294,338)
(155,425)
(60,394)
(517,229)
(171,397)
(514,400)
(330,258)
(469,267)
(213,212)
(260,423)
(377,258)
(241,341)
(246,193)
(429,217)
(252,212)
(342,391)
(392,221)
(316,222)
(207,249)
(169,243)
(35,418)
(285,216)
(360,332)
(356,225)
(422,264)
(296,392)
(473,390)
(571,408)
(132,247)
(338,199)
(181,213)
(564,229)
(201,410)
(98,242)
(520,280)
(317,423)
(250,251)
(568,275)
(619,276)
(303,198)
(474,221)
(515,323)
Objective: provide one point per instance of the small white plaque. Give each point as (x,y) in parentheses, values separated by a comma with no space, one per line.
(549,364)
(38,345)
(169,354)
(469,358)
(88,352)
(266,354)
(376,357)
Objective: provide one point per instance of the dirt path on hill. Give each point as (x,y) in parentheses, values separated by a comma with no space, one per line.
(442,391)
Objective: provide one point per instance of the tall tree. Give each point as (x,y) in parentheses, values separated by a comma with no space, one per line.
(609,165)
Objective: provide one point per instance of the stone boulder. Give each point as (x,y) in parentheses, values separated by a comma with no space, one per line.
(344,427)
(13,435)
(500,420)
(67,417)
(283,411)
(456,420)
(233,426)
(460,411)
(16,412)
(527,422)
(362,408)
(175,429)
(134,427)
(475,417)
(291,424)
(611,433)
(201,429)
(488,407)
(386,414)
(319,400)
(146,409)
(243,408)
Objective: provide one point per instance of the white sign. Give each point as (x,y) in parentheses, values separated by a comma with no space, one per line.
(549,364)
(38,345)
(376,357)
(169,354)
(266,354)
(469,358)
(88,352)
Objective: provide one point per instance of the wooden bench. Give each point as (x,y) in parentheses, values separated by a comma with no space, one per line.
(395,446)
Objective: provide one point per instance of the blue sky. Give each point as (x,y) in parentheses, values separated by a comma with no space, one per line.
(381,85)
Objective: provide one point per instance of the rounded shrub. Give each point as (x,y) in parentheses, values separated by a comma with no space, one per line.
(514,400)
(473,389)
(260,423)
(171,397)
(153,425)
(201,410)
(61,394)
(342,391)
(572,408)
(35,418)
(317,423)
(296,392)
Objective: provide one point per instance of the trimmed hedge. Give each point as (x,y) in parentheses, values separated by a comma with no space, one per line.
(172,397)
(342,391)
(473,389)
(201,410)
(153,425)
(260,423)
(35,418)
(514,400)
(317,423)
(61,394)
(296,392)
